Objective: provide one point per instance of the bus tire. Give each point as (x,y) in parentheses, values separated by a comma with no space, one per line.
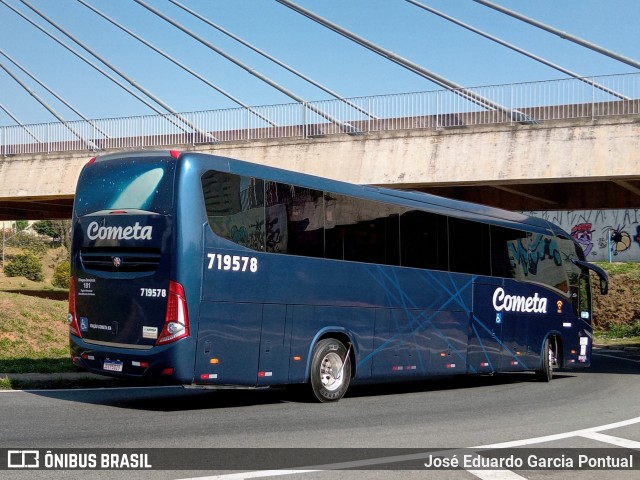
(545,374)
(330,370)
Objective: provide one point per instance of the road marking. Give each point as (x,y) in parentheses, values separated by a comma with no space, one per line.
(256,474)
(592,432)
(620,442)
(617,358)
(496,475)
(561,436)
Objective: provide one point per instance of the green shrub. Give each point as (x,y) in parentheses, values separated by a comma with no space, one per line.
(29,242)
(622,330)
(61,275)
(26,265)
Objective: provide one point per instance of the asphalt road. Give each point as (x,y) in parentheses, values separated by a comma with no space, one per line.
(598,407)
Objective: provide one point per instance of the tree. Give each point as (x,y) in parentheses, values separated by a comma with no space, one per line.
(46,227)
(56,229)
(21,225)
(61,275)
(26,265)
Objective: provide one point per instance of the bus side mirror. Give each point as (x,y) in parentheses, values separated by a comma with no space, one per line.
(602,275)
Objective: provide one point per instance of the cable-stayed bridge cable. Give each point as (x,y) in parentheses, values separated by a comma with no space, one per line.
(561,34)
(518,49)
(19,123)
(157,100)
(52,92)
(26,88)
(177,62)
(84,59)
(344,126)
(408,64)
(272,59)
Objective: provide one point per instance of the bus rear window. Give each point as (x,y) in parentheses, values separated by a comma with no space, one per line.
(126,184)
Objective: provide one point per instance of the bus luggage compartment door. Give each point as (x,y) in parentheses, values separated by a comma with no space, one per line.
(273,368)
(228,343)
(485,334)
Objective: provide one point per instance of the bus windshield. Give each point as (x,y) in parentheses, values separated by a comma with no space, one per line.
(133,184)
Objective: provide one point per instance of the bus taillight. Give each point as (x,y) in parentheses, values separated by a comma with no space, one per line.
(176,323)
(72,319)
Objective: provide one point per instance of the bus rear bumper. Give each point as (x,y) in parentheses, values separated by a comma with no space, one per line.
(158,365)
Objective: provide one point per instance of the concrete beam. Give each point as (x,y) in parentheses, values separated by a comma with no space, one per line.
(533,166)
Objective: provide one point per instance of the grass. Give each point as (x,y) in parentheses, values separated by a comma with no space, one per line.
(623,331)
(617,342)
(34,336)
(627,268)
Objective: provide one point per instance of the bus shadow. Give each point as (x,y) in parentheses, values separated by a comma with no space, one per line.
(166,399)
(447,383)
(178,399)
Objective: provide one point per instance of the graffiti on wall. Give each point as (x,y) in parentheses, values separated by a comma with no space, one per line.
(603,234)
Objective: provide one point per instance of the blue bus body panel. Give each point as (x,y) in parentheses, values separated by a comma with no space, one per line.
(402,322)
(255,317)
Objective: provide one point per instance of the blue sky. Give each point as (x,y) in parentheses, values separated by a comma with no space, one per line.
(436,44)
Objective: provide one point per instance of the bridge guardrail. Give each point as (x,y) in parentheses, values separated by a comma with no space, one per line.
(534,102)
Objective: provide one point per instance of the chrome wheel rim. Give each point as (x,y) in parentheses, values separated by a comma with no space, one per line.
(331,371)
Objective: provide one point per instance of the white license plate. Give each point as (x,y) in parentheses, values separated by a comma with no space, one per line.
(112,366)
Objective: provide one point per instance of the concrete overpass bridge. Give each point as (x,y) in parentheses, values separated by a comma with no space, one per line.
(550,151)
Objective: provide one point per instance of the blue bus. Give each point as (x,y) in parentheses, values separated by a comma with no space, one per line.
(201,270)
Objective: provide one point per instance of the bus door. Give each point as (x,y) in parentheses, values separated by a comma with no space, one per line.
(582,307)
(584,298)
(485,333)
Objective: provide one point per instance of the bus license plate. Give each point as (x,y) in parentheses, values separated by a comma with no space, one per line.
(112,365)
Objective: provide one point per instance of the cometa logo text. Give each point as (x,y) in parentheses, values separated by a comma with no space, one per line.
(516,303)
(135,232)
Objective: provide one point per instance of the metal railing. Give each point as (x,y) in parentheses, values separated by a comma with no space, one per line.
(535,102)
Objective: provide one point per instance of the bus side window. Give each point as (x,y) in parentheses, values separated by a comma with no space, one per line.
(361,230)
(469,247)
(294,220)
(423,240)
(235,208)
(504,251)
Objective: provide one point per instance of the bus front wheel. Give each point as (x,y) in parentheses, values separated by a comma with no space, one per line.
(547,360)
(330,370)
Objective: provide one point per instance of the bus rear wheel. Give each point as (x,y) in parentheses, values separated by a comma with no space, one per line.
(547,360)
(330,370)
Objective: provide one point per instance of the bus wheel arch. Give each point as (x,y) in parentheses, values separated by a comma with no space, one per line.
(550,357)
(331,367)
(345,339)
